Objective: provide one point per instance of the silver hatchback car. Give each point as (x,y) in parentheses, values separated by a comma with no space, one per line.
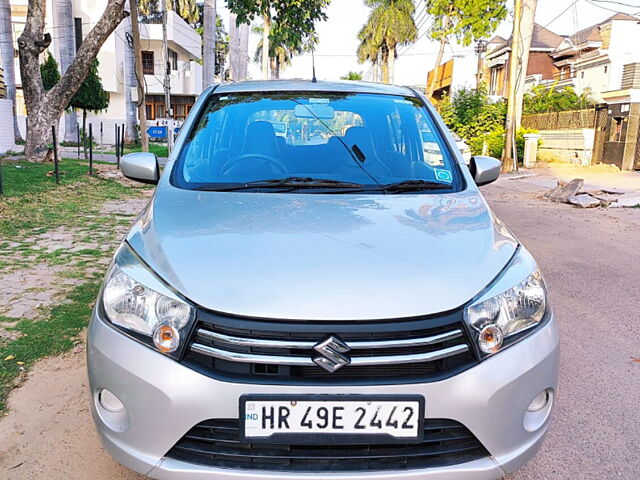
(318,290)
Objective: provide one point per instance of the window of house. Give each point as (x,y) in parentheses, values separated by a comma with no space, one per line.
(616,129)
(581,74)
(494,80)
(148,63)
(77,23)
(181,107)
(173,60)
(606,68)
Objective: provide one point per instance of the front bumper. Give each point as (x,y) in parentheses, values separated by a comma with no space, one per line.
(165,399)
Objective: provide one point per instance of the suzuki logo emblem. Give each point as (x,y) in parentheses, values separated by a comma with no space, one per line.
(332,350)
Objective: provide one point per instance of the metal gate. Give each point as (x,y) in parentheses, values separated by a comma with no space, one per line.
(600,133)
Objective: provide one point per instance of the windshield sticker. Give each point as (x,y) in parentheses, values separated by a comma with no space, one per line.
(443,175)
(319,100)
(404,102)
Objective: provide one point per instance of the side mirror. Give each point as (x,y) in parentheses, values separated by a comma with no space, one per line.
(485,169)
(141,167)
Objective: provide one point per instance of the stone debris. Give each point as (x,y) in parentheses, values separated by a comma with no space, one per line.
(563,191)
(584,200)
(574,194)
(629,200)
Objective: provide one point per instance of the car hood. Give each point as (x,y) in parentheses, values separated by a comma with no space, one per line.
(323,257)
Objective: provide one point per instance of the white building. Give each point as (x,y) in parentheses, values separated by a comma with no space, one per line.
(594,58)
(184,53)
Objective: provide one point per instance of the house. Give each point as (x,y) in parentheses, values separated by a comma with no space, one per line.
(594,58)
(457,71)
(541,64)
(184,45)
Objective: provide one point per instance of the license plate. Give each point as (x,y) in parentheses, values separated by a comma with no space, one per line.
(331,418)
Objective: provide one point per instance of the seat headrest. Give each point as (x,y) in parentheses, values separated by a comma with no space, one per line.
(261,138)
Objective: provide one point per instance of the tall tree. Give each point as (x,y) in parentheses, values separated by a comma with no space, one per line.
(390,24)
(44,108)
(463,21)
(295,21)
(65,37)
(49,72)
(209,43)
(279,55)
(90,97)
(188,10)
(6,57)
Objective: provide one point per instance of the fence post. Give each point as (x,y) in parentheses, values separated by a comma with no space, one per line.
(56,167)
(122,140)
(118,146)
(91,149)
(101,141)
(1,179)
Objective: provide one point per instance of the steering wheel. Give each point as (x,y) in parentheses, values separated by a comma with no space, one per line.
(244,160)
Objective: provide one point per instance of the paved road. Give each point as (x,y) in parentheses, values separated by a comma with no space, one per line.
(591,261)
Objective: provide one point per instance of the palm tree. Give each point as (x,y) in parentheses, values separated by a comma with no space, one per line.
(279,55)
(67,51)
(6,56)
(390,25)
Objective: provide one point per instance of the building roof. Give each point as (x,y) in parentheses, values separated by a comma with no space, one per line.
(592,33)
(542,39)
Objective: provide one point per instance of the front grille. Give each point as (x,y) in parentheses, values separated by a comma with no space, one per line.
(216,443)
(282,352)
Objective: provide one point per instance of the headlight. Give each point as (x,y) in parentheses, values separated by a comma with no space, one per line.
(135,299)
(515,303)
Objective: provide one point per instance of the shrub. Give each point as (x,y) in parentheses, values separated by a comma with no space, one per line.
(471,114)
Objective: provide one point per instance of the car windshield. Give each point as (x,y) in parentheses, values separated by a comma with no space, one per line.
(299,141)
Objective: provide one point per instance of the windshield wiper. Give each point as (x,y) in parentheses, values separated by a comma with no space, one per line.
(289,183)
(305,181)
(408,185)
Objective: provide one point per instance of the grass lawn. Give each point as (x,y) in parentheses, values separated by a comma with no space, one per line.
(161,150)
(34,205)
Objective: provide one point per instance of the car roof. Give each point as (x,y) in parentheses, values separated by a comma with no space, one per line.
(309,86)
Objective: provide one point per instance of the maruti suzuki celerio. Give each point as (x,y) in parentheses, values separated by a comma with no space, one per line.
(318,290)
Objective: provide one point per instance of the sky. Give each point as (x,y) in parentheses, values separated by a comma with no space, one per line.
(336,52)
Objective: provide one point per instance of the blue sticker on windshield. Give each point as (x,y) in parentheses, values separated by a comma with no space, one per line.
(443,175)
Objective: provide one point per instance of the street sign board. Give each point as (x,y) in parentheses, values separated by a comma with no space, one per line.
(157,132)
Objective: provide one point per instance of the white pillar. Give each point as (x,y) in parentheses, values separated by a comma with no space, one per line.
(530,149)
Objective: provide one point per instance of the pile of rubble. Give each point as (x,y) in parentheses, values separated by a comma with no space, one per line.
(574,194)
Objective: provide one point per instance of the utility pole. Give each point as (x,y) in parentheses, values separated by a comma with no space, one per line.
(481,48)
(142,109)
(167,78)
(518,62)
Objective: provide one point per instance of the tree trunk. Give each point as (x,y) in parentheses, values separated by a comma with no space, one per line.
(131,135)
(273,65)
(44,108)
(392,63)
(277,68)
(234,47)
(385,64)
(434,79)
(209,43)
(6,56)
(244,52)
(142,109)
(266,30)
(65,37)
